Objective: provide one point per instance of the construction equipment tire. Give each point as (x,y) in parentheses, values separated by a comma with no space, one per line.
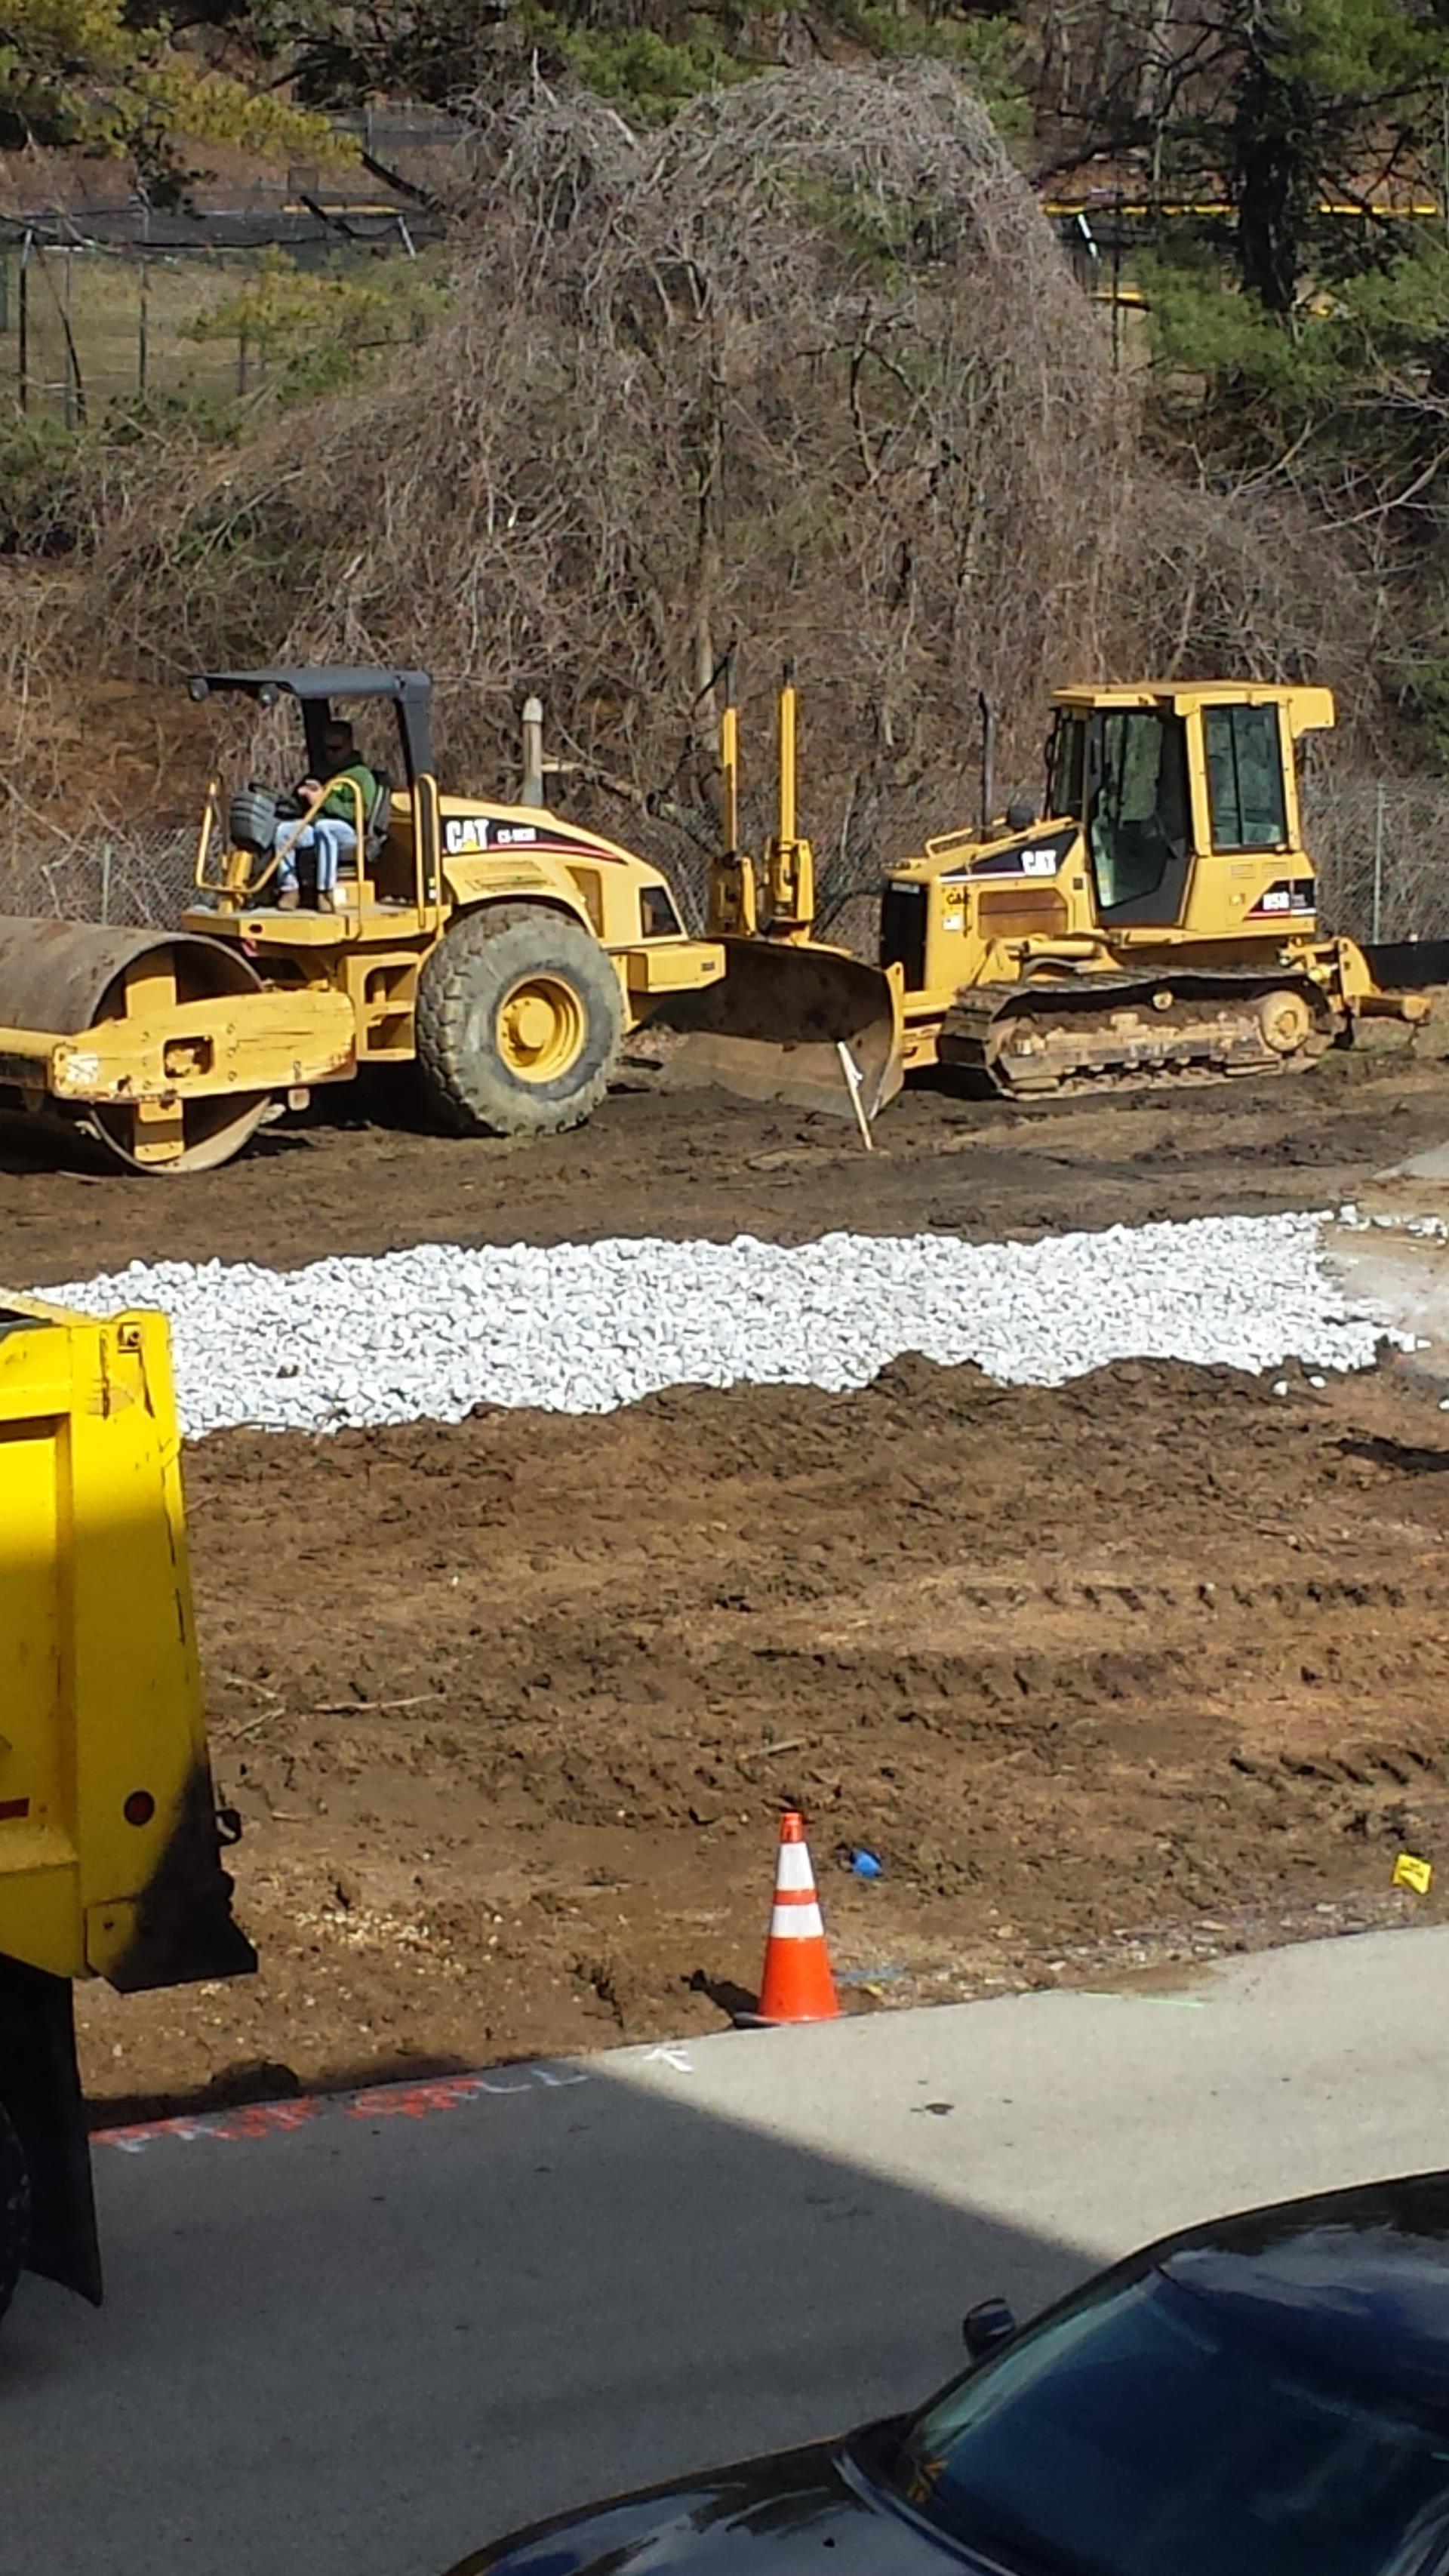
(519,1022)
(14,2210)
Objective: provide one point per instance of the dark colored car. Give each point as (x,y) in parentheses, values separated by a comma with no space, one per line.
(1264,2396)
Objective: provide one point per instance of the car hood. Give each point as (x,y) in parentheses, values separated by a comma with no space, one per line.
(793,2514)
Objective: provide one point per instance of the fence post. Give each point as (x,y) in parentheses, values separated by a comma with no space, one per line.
(105,881)
(71,370)
(22,343)
(1376,917)
(143,304)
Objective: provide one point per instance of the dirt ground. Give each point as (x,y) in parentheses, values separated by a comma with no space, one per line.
(1154,1666)
(1110,1678)
(649,1164)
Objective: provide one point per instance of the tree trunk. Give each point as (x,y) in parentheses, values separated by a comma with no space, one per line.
(1274,168)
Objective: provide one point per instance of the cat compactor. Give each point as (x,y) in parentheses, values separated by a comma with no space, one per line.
(505,951)
(110,1845)
(1156,924)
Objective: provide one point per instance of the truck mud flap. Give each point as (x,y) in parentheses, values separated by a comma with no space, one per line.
(184,1924)
(40,2089)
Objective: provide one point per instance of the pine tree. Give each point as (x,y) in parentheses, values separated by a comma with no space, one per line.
(1323,100)
(99,75)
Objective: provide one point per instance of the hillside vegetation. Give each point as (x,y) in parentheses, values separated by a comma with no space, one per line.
(803,370)
(723,352)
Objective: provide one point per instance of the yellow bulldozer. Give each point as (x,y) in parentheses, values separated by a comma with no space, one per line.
(1154,923)
(504,950)
(110,1843)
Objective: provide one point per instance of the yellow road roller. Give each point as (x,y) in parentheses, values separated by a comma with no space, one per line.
(504,950)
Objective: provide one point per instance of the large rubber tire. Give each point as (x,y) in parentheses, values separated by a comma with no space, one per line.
(490,972)
(14,2210)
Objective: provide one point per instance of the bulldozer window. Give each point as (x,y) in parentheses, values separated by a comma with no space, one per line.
(1138,819)
(1245,778)
(1066,768)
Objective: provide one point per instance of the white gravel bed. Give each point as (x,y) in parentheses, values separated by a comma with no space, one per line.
(580,1328)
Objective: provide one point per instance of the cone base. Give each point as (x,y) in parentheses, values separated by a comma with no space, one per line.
(784,2021)
(803,1992)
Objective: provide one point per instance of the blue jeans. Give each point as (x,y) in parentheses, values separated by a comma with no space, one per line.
(331,838)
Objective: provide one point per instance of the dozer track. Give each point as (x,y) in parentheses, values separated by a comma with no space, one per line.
(1058,1035)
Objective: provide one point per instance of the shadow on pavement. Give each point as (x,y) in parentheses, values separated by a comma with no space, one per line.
(379,2338)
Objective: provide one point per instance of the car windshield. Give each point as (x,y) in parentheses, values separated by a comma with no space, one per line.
(1141,2433)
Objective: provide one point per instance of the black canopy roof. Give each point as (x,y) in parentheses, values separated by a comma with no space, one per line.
(411,692)
(363,681)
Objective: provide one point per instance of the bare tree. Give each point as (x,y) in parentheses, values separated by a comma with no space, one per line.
(804,372)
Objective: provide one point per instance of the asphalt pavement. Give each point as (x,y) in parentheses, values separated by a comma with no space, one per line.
(365,2335)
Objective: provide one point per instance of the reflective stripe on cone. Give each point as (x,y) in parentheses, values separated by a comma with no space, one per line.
(797,1984)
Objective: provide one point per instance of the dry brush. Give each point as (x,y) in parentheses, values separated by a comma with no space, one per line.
(807,373)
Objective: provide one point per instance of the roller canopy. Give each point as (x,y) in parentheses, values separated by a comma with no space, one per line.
(411,692)
(296,681)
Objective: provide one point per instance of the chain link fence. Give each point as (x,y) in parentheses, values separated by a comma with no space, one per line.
(1381,845)
(100,300)
(87,324)
(130,880)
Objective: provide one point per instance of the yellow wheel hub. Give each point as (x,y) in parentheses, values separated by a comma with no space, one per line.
(540,1028)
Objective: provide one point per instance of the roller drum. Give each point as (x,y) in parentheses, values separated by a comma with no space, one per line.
(66,977)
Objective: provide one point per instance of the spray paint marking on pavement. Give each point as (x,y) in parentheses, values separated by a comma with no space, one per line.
(419,2101)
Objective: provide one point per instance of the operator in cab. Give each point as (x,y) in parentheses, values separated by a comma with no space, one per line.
(332,831)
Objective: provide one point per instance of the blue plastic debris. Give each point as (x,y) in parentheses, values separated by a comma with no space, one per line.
(865,1864)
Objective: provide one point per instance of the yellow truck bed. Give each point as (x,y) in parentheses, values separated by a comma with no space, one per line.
(110,1846)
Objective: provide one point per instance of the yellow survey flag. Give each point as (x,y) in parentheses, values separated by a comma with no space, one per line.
(1409,1872)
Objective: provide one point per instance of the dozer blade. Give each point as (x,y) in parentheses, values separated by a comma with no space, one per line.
(773,1027)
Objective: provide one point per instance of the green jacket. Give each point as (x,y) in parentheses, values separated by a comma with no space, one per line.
(340,802)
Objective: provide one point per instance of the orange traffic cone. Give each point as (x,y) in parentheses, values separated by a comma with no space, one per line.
(797,1984)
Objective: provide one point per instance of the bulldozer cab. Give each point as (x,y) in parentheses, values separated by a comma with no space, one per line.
(1160,780)
(238,856)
